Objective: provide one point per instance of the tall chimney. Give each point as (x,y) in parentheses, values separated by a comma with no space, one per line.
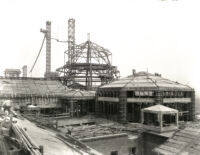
(24,71)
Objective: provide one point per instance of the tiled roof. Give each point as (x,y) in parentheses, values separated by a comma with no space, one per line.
(146,80)
(183,142)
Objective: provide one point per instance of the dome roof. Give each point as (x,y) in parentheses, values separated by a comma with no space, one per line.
(147,80)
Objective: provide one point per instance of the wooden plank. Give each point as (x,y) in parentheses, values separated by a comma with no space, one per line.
(177,142)
(189,136)
(168,148)
(165,152)
(175,145)
(184,139)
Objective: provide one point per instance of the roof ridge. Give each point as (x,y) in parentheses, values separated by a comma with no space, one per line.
(132,78)
(154,82)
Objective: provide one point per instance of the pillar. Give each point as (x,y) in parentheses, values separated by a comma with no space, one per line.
(142,116)
(161,121)
(77,109)
(104,108)
(158,97)
(66,108)
(132,114)
(97,106)
(71,108)
(177,119)
(123,106)
(192,109)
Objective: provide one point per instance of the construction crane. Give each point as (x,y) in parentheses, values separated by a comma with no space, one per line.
(47,37)
(88,63)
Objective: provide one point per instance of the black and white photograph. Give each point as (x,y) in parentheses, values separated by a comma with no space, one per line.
(99,77)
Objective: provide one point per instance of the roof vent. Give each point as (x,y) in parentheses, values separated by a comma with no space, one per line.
(133,72)
(157,74)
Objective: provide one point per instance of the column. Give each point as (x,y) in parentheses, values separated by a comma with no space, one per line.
(158,97)
(142,116)
(104,108)
(161,121)
(97,104)
(192,113)
(71,108)
(177,119)
(77,109)
(122,106)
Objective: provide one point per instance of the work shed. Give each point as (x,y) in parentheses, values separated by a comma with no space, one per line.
(123,99)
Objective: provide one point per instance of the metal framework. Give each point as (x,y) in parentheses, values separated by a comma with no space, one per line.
(88,63)
(71,40)
(47,33)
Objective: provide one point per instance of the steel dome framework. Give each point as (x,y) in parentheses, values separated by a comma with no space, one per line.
(88,63)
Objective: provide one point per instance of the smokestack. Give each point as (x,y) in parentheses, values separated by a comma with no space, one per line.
(24,71)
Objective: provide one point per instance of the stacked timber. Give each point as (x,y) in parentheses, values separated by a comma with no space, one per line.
(26,140)
(92,131)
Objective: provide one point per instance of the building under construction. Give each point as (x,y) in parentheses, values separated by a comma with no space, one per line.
(132,115)
(50,97)
(87,63)
(123,99)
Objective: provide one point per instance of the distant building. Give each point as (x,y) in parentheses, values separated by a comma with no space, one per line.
(12,72)
(123,99)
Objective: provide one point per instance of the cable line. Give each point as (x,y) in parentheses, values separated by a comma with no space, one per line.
(38,54)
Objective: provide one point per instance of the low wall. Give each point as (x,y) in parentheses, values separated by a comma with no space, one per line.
(116,142)
(150,141)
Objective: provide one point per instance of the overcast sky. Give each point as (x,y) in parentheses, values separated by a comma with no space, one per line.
(161,35)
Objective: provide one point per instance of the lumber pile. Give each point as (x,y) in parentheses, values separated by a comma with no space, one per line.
(86,131)
(26,140)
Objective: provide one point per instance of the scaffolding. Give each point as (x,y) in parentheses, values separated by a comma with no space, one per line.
(88,63)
